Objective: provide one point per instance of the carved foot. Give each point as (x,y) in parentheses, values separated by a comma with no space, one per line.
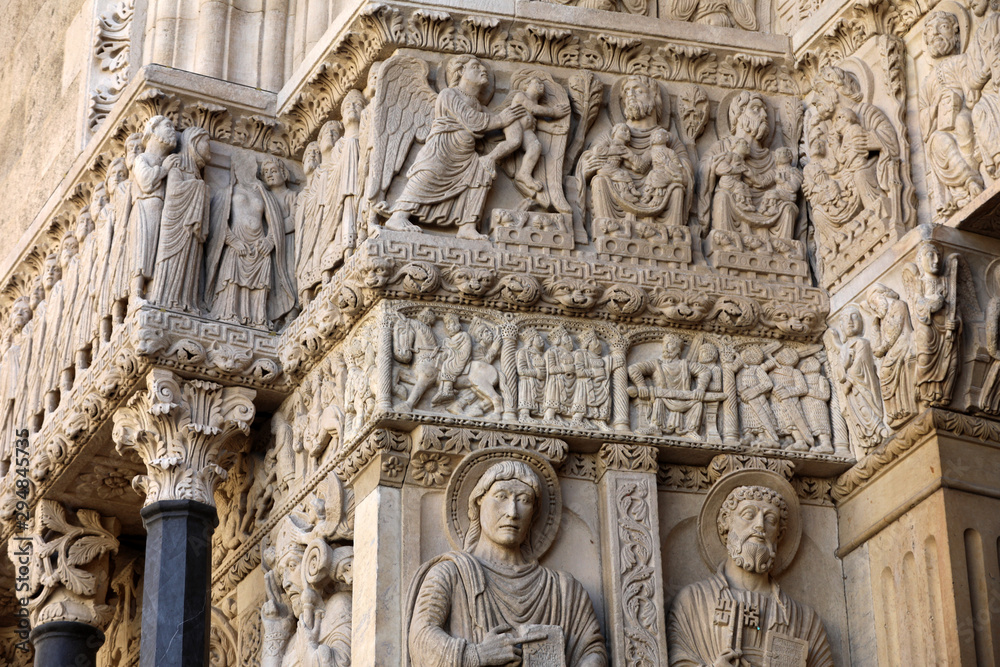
(467,232)
(400,222)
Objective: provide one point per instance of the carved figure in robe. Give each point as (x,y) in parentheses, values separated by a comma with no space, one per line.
(81,320)
(854,166)
(723,13)
(358,392)
(62,335)
(754,386)
(245,265)
(48,336)
(414,343)
(946,118)
(274,173)
(892,343)
(456,352)
(530,375)
(322,230)
(307,217)
(479,606)
(932,290)
(816,405)
(787,183)
(730,172)
(739,615)
(149,178)
(448,182)
(184,224)
(789,386)
(592,392)
(15,350)
(120,197)
(110,231)
(984,92)
(639,175)
(341,187)
(34,331)
(560,375)
(856,380)
(541,136)
(674,402)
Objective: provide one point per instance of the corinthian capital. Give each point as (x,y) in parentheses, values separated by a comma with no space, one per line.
(179,428)
(68,560)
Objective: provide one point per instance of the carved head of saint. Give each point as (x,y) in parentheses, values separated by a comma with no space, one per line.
(159,128)
(467,71)
(426,316)
(133,146)
(84,225)
(752,355)
(787,356)
(751,522)
(38,289)
(929,259)
(851,322)
(311,157)
(69,249)
(274,172)
(20,313)
(352,106)
(832,83)
(591,342)
(502,506)
(672,346)
(748,116)
(878,299)
(117,174)
(707,354)
(640,98)
(452,325)
(329,133)
(941,34)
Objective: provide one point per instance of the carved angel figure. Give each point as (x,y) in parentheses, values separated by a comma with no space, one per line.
(247,280)
(448,182)
(932,291)
(184,224)
(856,381)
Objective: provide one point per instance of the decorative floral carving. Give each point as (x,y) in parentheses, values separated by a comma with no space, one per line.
(431,469)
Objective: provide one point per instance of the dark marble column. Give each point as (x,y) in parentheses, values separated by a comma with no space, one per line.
(62,643)
(176,603)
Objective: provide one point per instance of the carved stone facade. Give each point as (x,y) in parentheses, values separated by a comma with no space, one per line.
(555,332)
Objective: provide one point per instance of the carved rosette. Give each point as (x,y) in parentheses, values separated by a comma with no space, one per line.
(179,429)
(633,580)
(68,571)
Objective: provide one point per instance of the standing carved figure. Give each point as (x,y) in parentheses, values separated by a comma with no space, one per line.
(149,178)
(946,118)
(245,265)
(789,387)
(111,220)
(448,182)
(816,405)
(274,173)
(307,217)
(560,375)
(15,348)
(592,392)
(120,198)
(749,529)
(892,342)
(754,385)
(342,195)
(81,322)
(932,288)
(481,605)
(184,224)
(857,381)
(530,375)
(989,394)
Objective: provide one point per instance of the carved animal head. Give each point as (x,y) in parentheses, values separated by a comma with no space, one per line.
(684,307)
(737,312)
(518,289)
(419,278)
(472,281)
(790,319)
(376,272)
(574,293)
(624,299)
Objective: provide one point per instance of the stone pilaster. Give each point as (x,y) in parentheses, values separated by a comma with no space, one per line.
(377,469)
(68,584)
(633,573)
(180,429)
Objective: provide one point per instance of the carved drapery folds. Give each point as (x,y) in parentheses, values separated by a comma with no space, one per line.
(69,570)
(179,429)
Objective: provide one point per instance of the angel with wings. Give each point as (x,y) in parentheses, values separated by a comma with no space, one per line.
(938,293)
(449,181)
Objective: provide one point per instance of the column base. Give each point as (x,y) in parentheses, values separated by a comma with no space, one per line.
(60,643)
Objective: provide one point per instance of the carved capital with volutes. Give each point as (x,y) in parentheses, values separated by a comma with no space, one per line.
(67,557)
(180,429)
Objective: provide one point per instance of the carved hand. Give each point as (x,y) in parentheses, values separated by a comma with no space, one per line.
(499,647)
(562,110)
(512,113)
(728,658)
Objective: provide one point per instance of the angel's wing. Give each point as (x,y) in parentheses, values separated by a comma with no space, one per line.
(968,301)
(404,111)
(911,282)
